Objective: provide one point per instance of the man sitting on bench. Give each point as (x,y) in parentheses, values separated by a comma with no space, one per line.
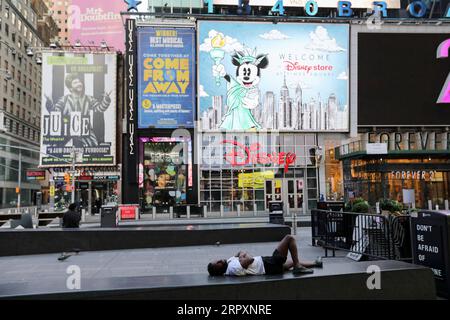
(71,218)
(244,264)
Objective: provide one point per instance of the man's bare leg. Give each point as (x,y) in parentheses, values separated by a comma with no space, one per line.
(288,265)
(288,244)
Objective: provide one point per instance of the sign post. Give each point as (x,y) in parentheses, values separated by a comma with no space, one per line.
(52,193)
(20,180)
(431,245)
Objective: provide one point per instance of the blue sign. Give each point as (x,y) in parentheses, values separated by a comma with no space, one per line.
(166,77)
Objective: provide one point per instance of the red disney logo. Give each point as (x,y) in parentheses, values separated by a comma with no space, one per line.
(243,155)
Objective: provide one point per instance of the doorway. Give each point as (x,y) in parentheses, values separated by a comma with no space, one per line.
(290,191)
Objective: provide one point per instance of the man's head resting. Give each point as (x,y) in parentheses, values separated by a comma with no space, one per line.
(217,267)
(72,206)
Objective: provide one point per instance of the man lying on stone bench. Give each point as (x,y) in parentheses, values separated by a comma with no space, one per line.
(244,264)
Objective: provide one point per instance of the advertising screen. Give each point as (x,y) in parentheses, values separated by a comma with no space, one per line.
(258,76)
(78,108)
(403,79)
(166,77)
(92,22)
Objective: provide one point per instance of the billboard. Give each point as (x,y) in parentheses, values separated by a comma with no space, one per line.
(391,4)
(403,79)
(92,22)
(265,76)
(166,77)
(78,108)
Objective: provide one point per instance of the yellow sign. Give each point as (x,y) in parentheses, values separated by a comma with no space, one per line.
(254,180)
(52,191)
(278,183)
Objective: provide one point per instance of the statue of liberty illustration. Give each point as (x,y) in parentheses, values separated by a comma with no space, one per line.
(242,90)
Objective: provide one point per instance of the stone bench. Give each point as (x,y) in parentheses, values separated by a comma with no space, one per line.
(339,280)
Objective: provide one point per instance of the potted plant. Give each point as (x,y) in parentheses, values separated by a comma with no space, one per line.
(389,206)
(357,205)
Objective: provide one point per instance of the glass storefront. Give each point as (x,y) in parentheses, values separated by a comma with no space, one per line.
(243,172)
(9,174)
(165,171)
(375,179)
(103,191)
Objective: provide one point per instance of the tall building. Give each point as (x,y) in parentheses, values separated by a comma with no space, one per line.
(285,107)
(47,27)
(270,118)
(59,11)
(332,111)
(218,110)
(297,108)
(20,99)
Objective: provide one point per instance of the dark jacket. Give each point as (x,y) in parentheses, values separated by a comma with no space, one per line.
(71,219)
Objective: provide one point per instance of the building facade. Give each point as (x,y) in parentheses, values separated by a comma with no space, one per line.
(402,150)
(59,12)
(216,162)
(20,99)
(274,100)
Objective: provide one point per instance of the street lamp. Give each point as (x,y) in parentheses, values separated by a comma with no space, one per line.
(75,154)
(8,75)
(13,50)
(30,53)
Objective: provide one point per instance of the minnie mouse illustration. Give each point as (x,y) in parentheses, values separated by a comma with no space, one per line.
(242,91)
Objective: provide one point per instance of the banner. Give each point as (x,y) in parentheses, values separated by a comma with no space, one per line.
(78,112)
(92,22)
(166,77)
(415,88)
(256,76)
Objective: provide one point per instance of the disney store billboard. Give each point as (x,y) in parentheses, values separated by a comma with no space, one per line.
(264,76)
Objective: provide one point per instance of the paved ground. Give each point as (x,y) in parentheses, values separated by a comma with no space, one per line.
(142,262)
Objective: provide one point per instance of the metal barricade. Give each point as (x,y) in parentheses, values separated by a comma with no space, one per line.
(371,235)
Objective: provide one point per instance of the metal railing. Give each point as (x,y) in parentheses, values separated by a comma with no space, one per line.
(373,236)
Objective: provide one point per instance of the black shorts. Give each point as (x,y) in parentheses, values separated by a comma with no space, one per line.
(274,263)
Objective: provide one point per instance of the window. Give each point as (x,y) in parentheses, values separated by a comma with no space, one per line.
(12,90)
(6,29)
(5,104)
(11,107)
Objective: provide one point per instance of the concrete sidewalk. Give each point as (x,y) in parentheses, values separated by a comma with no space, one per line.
(143,262)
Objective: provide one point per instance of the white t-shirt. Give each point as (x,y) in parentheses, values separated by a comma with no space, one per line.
(235,268)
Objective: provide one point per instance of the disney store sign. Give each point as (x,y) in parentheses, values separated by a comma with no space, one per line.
(242,155)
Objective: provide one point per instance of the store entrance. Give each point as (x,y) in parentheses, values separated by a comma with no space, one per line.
(290,191)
